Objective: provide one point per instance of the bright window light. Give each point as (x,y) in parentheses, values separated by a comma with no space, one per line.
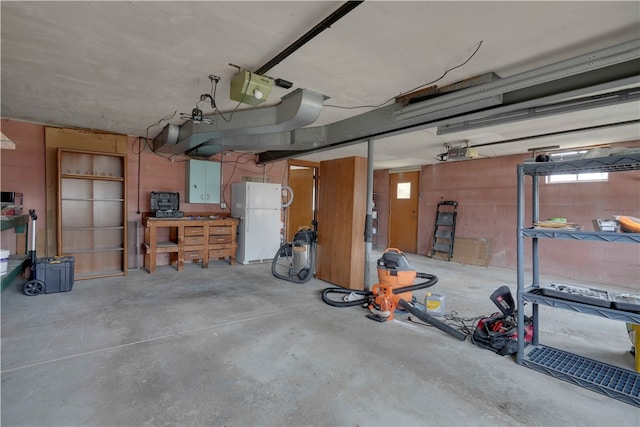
(577,177)
(593,176)
(403,190)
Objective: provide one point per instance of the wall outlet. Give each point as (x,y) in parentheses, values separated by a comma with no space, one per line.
(223,205)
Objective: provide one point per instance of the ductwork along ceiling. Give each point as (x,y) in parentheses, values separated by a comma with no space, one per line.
(413,76)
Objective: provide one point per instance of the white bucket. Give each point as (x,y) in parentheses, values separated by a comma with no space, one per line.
(4,260)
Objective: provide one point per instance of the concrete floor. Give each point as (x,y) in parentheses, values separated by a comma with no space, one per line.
(232,345)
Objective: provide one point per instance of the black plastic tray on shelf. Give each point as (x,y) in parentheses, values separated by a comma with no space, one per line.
(599,297)
(626,301)
(610,380)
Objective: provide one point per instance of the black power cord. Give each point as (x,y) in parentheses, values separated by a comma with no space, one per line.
(447,71)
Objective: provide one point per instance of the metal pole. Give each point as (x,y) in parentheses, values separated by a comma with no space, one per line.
(520,259)
(368,231)
(535,253)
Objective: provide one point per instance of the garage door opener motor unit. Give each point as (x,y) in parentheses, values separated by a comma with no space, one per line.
(48,275)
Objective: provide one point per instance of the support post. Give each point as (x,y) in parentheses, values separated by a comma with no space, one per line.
(368,232)
(520,258)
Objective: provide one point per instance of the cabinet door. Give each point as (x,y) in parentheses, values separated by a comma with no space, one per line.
(203,182)
(196,180)
(212,182)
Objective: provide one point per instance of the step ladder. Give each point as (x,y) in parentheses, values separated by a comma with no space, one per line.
(445,229)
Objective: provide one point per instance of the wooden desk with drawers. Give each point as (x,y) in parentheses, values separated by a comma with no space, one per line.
(190,240)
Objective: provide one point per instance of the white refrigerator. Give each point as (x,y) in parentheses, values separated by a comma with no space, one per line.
(258,205)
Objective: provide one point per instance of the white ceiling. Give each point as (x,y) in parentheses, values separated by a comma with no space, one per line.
(123,66)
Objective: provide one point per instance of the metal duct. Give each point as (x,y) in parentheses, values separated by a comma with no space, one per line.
(278,132)
(588,73)
(296,109)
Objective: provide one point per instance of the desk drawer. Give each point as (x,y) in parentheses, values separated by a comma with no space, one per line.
(220,253)
(193,240)
(193,231)
(219,229)
(189,255)
(214,240)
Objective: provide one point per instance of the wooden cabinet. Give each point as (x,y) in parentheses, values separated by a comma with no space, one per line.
(222,241)
(92,211)
(203,181)
(342,206)
(190,240)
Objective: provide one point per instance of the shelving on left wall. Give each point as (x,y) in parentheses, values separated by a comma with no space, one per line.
(92,212)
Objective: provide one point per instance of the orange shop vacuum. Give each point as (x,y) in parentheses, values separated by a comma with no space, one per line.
(394,291)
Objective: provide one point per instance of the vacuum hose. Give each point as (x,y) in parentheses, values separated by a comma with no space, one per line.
(368,295)
(431,280)
(346,303)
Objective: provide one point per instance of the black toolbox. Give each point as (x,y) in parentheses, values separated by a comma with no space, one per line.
(56,273)
(165,204)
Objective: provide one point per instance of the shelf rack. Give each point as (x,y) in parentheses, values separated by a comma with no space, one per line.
(18,262)
(615,382)
(92,212)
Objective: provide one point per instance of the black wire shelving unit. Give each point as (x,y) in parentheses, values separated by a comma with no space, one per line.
(616,382)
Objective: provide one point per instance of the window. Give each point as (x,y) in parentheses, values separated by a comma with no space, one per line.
(577,177)
(403,191)
(574,177)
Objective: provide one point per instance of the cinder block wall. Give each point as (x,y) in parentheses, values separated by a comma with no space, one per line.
(486,190)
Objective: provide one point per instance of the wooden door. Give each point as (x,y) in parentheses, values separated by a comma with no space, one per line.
(342,207)
(403,211)
(301,212)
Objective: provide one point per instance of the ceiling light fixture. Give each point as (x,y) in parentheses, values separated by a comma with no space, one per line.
(196,117)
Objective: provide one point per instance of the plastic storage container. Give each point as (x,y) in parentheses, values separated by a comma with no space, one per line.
(56,273)
(4,260)
(434,304)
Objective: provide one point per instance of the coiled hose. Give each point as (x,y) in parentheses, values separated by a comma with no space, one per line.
(368,295)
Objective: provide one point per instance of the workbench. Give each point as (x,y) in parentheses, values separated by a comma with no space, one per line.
(190,239)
